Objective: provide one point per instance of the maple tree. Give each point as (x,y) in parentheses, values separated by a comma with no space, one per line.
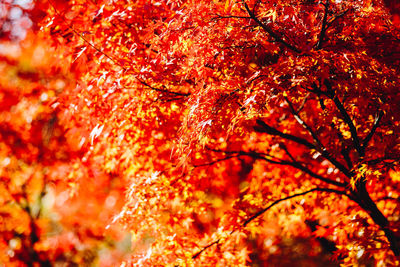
(247,131)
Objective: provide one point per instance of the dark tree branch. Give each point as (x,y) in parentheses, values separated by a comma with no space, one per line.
(219,17)
(378,118)
(162,90)
(204,248)
(256,78)
(337,17)
(269,30)
(259,213)
(318,91)
(215,161)
(386,160)
(349,122)
(361,196)
(324,26)
(283,146)
(346,118)
(34,236)
(345,150)
(305,125)
(294,163)
(253,154)
(263,127)
(301,167)
(303,103)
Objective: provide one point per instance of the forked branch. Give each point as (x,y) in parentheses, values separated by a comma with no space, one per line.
(263,127)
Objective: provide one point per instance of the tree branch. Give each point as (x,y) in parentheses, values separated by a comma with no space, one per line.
(305,125)
(296,164)
(303,103)
(378,118)
(363,199)
(324,26)
(269,30)
(215,161)
(161,90)
(219,17)
(337,17)
(253,154)
(344,151)
(272,131)
(204,248)
(265,128)
(303,168)
(259,213)
(346,118)
(283,146)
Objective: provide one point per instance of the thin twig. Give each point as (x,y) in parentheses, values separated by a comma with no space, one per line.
(204,248)
(259,213)
(215,161)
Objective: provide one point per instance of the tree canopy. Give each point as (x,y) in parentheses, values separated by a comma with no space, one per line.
(228,133)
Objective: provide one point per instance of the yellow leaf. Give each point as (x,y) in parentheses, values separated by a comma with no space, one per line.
(227,3)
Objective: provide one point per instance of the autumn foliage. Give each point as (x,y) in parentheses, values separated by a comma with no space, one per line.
(209,133)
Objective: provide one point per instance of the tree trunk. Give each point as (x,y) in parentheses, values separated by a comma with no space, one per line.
(366,203)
